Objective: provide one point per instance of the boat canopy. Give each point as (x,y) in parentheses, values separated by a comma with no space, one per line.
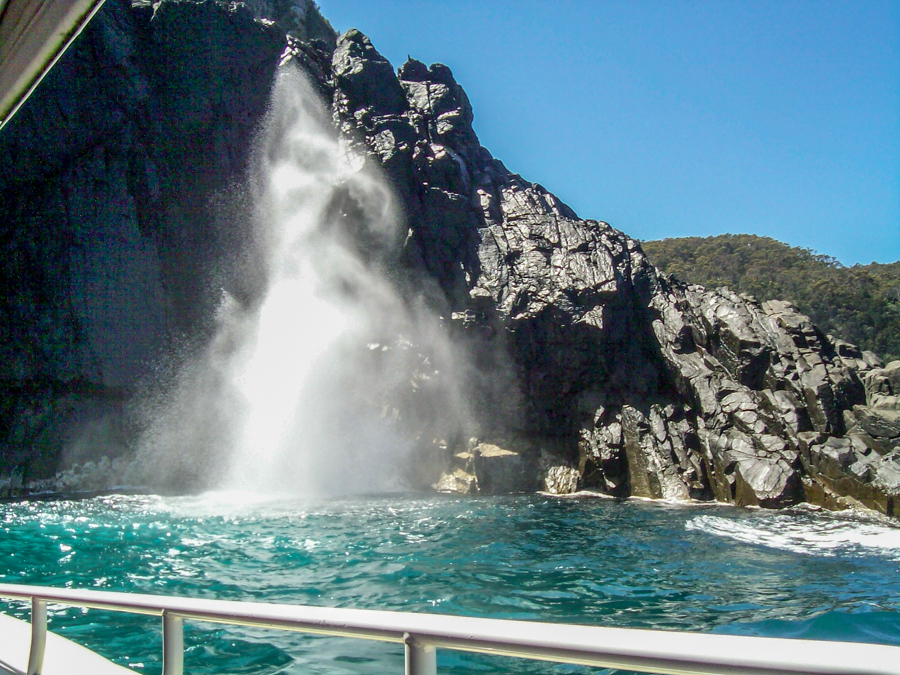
(33,35)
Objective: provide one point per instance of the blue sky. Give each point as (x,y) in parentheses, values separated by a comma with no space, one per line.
(674,118)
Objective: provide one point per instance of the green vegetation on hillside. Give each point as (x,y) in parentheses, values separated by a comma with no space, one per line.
(860,304)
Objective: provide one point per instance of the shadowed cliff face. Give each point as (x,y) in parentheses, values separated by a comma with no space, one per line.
(583,366)
(113,248)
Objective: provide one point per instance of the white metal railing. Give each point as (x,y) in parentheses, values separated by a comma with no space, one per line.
(679,653)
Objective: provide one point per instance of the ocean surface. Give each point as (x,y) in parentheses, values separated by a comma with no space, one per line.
(591,561)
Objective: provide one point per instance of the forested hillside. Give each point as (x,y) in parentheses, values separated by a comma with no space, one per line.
(860,304)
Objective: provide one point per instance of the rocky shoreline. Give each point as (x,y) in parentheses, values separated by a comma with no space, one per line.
(585,368)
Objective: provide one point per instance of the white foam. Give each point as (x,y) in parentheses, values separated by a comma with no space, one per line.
(803,534)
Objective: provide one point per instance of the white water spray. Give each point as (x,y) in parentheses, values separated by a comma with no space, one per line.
(290,393)
(824,536)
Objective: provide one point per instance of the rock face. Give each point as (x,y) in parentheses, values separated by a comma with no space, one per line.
(585,367)
(113,248)
(865,464)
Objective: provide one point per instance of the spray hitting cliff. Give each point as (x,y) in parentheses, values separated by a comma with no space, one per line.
(581,365)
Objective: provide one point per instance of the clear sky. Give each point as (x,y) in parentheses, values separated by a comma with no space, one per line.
(678,118)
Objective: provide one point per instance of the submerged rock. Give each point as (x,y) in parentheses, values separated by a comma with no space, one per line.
(594,369)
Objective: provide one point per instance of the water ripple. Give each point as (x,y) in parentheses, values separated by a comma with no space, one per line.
(599,562)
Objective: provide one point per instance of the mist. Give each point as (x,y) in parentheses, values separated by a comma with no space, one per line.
(325,380)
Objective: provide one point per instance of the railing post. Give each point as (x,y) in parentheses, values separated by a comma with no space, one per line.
(173,644)
(421,659)
(38,636)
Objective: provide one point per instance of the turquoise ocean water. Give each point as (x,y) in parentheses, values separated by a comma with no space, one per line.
(592,561)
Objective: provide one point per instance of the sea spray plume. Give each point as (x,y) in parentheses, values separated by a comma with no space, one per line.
(188,414)
(304,389)
(304,375)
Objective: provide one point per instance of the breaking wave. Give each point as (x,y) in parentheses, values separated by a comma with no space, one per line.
(821,536)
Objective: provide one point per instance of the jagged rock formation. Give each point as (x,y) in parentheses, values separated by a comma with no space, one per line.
(860,304)
(653,387)
(300,19)
(587,368)
(862,465)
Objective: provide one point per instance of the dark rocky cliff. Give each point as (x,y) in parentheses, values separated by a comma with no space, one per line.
(588,368)
(110,243)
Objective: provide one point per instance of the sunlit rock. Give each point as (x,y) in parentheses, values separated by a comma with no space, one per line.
(551,332)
